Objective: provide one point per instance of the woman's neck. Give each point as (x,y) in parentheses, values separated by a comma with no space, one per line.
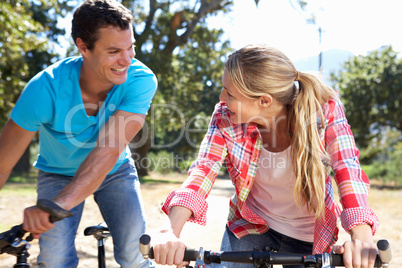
(275,133)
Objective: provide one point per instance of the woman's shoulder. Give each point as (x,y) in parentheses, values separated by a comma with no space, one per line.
(332,106)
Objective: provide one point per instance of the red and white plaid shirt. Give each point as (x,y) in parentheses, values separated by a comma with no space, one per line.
(240,146)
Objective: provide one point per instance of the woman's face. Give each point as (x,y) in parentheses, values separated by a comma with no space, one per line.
(242,109)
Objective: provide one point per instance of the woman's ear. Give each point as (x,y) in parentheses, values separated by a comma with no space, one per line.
(82,48)
(265,101)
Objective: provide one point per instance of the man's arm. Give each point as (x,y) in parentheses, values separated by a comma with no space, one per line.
(114,137)
(13,142)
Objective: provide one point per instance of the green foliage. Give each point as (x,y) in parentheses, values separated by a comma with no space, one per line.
(26,27)
(185,55)
(23,177)
(370,87)
(17,38)
(173,39)
(161,162)
(385,157)
(164,162)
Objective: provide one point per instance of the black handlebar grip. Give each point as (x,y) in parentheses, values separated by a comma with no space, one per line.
(190,254)
(56,212)
(384,250)
(337,260)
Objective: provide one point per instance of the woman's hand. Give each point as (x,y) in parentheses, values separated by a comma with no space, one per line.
(361,251)
(169,250)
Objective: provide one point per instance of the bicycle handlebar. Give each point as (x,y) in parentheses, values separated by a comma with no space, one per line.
(56,213)
(12,242)
(268,257)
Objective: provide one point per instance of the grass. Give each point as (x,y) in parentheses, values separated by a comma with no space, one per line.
(23,177)
(25,183)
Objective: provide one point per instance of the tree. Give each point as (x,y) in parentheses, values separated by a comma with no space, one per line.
(26,27)
(173,39)
(370,87)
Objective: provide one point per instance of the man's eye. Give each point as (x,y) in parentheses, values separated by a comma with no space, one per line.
(113,52)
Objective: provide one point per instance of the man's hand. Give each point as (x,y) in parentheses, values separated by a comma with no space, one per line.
(36,221)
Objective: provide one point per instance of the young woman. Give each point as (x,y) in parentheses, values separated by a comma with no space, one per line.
(280,132)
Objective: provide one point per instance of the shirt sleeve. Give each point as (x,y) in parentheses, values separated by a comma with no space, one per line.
(34,107)
(140,90)
(353,183)
(202,175)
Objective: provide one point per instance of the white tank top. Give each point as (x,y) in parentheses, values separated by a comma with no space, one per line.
(271,197)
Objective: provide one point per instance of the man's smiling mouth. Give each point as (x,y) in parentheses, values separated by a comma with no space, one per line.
(119,70)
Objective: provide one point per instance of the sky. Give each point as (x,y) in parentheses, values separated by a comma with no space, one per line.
(358,26)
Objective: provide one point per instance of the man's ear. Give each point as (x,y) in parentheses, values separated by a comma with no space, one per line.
(265,101)
(82,48)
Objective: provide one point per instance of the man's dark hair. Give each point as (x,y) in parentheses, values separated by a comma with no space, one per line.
(95,14)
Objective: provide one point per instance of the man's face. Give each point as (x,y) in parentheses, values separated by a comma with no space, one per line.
(111,56)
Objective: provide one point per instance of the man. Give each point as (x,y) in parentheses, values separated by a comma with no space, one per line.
(87,110)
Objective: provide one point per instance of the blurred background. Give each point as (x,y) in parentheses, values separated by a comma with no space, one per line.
(354,45)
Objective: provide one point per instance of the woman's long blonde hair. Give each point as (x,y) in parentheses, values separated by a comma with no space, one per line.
(260,70)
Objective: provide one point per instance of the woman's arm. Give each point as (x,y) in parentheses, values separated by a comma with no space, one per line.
(170,249)
(357,218)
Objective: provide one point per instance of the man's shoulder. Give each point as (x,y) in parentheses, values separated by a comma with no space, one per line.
(56,76)
(62,68)
(137,68)
(65,65)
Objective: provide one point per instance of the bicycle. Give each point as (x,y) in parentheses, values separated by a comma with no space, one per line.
(16,241)
(267,258)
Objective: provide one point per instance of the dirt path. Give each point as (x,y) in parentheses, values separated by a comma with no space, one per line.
(386,203)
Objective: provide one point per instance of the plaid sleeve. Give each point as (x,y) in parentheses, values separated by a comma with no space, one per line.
(202,174)
(352,181)
(352,217)
(189,199)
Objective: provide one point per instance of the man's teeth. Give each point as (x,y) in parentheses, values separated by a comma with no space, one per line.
(120,69)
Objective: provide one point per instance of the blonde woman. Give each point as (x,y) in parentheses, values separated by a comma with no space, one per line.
(280,132)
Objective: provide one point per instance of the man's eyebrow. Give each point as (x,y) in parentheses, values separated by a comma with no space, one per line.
(118,48)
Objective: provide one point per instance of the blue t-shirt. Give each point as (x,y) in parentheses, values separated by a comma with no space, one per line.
(52,103)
